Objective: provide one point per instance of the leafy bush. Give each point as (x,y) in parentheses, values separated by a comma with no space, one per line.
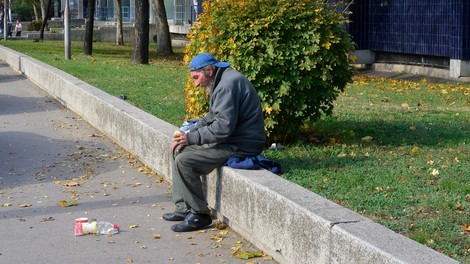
(293,51)
(35,25)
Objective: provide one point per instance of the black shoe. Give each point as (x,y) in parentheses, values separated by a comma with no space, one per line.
(192,222)
(175,216)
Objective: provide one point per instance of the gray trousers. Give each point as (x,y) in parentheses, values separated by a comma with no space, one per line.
(188,167)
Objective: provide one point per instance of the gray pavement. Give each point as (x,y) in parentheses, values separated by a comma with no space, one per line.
(43,148)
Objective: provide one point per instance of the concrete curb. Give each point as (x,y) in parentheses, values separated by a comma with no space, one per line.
(285,220)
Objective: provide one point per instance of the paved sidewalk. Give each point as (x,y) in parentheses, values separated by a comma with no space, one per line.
(45,152)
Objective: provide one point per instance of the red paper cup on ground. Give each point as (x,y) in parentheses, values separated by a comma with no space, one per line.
(78,225)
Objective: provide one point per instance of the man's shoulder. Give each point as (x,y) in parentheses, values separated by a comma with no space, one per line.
(233,74)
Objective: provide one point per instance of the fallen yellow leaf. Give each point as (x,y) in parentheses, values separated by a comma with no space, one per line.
(223,233)
(367,139)
(434,172)
(67,204)
(71,184)
(217,238)
(25,205)
(249,254)
(220,225)
(46,219)
(466,227)
(7,204)
(414,150)
(133,226)
(157,236)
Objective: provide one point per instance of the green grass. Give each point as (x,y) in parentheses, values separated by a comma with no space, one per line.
(156,88)
(394,151)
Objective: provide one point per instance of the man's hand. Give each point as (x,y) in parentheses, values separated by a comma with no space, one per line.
(179,141)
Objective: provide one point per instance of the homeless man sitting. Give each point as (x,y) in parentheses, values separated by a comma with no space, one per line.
(233,127)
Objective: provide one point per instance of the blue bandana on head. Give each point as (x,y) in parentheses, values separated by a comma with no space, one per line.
(204,59)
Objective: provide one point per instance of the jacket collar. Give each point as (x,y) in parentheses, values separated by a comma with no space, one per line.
(218,76)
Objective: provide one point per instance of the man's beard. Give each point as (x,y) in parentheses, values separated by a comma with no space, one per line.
(210,87)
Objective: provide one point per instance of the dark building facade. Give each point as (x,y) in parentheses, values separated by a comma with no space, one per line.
(424,36)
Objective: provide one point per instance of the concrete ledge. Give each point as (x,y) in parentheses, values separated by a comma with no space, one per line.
(413,69)
(290,223)
(363,56)
(103,33)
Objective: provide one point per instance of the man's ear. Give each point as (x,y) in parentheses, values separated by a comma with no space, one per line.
(211,71)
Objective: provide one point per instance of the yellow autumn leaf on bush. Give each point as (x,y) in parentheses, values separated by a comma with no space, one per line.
(268,110)
(367,139)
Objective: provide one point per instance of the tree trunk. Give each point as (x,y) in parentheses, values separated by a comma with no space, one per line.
(141,33)
(44,21)
(36,13)
(163,31)
(44,9)
(88,43)
(119,34)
